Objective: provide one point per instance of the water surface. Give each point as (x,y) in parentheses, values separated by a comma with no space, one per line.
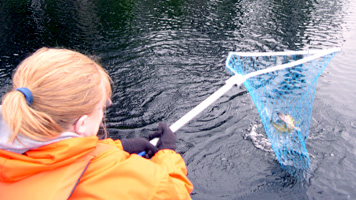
(165,57)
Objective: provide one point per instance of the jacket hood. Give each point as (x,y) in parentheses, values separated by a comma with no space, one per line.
(22,159)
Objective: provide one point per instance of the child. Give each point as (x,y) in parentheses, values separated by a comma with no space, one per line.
(48,143)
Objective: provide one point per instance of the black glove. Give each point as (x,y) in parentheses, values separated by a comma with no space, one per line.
(137,145)
(167,140)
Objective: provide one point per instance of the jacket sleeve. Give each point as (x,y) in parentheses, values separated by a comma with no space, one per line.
(176,174)
(115,174)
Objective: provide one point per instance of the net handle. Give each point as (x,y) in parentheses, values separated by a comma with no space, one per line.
(238,79)
(232,81)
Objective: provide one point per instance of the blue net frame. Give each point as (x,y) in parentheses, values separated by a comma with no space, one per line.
(284,99)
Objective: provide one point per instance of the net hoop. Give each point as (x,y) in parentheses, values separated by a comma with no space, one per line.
(283,82)
(313,55)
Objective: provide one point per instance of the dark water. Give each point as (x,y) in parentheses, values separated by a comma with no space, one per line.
(165,57)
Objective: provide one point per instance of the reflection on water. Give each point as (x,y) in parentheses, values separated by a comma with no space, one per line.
(165,57)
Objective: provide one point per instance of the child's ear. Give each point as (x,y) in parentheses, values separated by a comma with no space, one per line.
(81,126)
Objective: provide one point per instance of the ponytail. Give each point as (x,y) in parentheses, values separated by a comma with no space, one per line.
(21,118)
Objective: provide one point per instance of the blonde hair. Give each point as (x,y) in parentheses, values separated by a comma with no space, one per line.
(65,85)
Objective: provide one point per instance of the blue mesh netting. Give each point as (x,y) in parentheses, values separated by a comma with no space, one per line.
(284,100)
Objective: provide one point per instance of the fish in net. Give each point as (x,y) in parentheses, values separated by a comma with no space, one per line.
(282,86)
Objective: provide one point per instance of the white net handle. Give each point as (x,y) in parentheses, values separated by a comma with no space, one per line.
(234,80)
(238,79)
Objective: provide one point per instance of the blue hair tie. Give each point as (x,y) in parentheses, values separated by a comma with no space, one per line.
(27,93)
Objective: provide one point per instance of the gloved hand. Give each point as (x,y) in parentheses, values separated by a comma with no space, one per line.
(137,145)
(167,140)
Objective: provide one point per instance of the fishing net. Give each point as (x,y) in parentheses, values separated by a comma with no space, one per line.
(282,86)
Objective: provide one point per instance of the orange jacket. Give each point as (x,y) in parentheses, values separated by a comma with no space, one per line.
(52,171)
